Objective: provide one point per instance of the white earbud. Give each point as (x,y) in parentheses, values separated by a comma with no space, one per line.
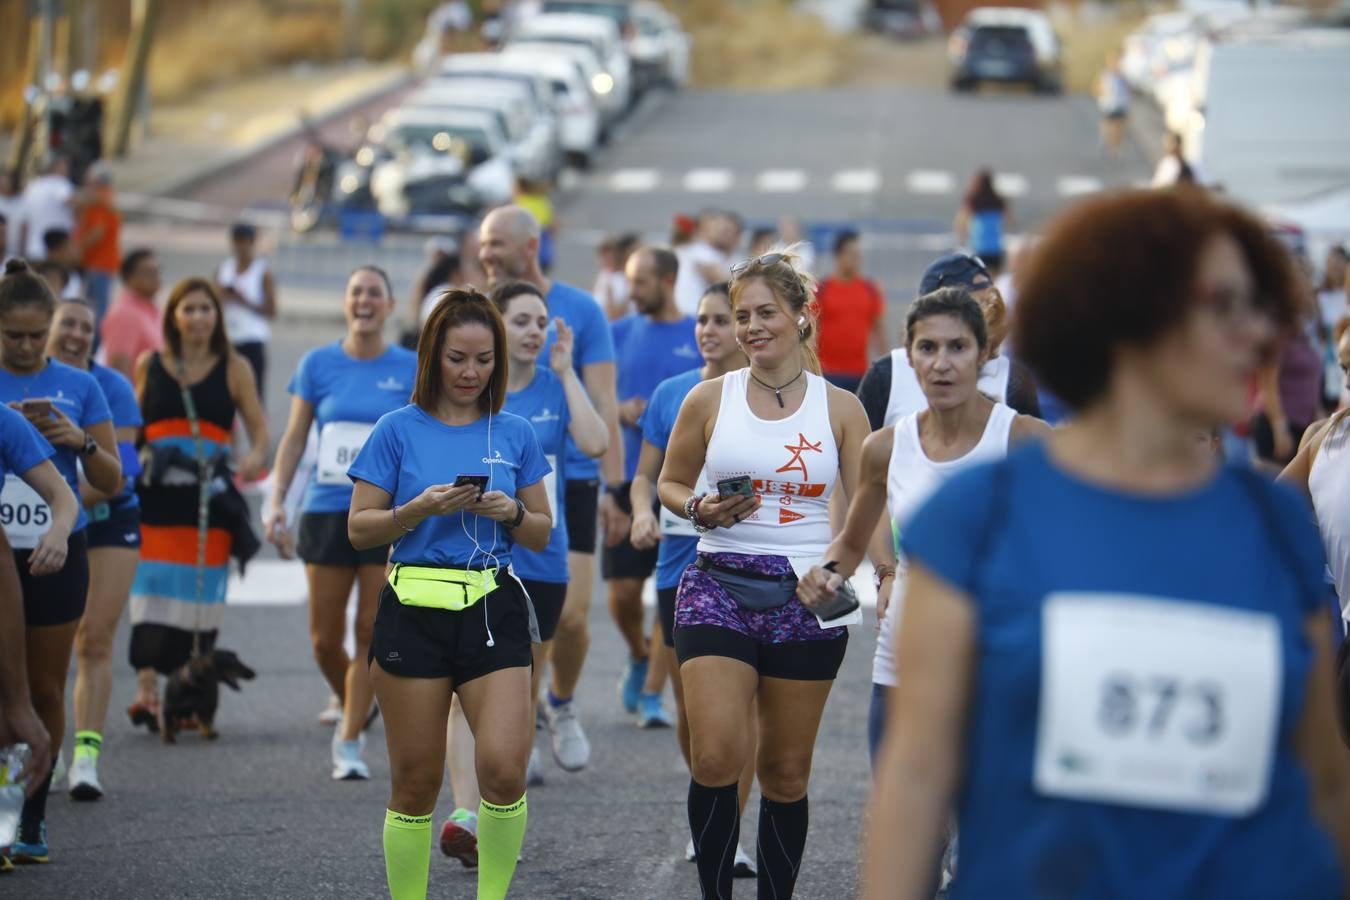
(801,321)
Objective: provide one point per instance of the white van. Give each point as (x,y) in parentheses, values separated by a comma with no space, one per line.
(1267,115)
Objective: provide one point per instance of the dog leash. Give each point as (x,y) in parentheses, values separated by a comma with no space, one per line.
(203,499)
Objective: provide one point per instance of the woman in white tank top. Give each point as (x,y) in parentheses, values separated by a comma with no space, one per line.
(741,634)
(1321,470)
(902,465)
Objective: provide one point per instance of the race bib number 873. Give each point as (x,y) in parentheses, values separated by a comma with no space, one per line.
(1157,703)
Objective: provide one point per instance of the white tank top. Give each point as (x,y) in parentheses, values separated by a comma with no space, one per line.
(907,397)
(245,324)
(794,463)
(1329,485)
(911,479)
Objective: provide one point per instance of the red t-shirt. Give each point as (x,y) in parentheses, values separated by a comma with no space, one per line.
(104,254)
(848,312)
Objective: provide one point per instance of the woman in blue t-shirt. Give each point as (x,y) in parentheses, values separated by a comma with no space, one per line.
(1115,665)
(114,540)
(555,402)
(342,389)
(454,483)
(68,409)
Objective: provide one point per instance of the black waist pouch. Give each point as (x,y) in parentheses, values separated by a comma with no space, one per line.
(751,590)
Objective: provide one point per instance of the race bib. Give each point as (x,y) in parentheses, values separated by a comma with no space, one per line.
(339,442)
(1157,704)
(24,515)
(551,489)
(675,526)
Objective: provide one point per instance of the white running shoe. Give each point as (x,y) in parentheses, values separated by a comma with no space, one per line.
(570,747)
(332,713)
(84,779)
(689,855)
(744,866)
(534,772)
(347,762)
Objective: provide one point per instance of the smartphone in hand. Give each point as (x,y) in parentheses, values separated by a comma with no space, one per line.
(844,601)
(36,407)
(481,481)
(737,484)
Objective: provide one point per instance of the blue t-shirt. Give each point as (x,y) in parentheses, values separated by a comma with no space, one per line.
(544,405)
(986,231)
(21,447)
(410,450)
(592,343)
(649,352)
(126,413)
(345,390)
(675,552)
(1237,556)
(73,392)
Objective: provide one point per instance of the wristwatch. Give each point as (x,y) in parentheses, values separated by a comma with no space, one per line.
(90,446)
(520,516)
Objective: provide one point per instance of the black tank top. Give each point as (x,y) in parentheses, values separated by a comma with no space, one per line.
(163,398)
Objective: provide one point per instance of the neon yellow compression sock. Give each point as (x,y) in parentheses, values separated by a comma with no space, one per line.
(501,830)
(88,743)
(407,854)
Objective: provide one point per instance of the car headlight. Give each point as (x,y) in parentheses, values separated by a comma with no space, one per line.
(602,83)
(349,184)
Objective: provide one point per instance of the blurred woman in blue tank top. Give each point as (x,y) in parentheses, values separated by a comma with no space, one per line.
(983,221)
(1122,685)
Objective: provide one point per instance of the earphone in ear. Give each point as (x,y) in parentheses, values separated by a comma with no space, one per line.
(801,321)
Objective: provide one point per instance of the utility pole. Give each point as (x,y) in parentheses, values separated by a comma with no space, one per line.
(143,14)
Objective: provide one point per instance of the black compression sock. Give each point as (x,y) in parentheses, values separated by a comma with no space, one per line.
(715,823)
(35,810)
(782,838)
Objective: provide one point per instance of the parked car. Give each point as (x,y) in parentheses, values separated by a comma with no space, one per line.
(597,32)
(1006,45)
(534,147)
(584,60)
(659,46)
(493,67)
(435,161)
(579,119)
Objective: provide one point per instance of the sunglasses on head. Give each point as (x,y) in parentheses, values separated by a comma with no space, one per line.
(768,259)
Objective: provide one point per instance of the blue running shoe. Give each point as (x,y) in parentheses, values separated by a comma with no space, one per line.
(25,852)
(651,714)
(630,686)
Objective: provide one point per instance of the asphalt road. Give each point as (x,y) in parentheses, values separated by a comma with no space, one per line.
(255,814)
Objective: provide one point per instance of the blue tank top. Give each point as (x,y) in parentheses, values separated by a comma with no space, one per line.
(986,231)
(1139,672)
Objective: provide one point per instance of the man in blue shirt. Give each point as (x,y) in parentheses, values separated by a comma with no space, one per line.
(653,344)
(509,251)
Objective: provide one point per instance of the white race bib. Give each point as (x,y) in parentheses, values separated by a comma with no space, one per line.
(24,515)
(551,489)
(1157,703)
(339,442)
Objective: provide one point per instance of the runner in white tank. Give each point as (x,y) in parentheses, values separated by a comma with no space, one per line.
(902,465)
(1321,472)
(741,634)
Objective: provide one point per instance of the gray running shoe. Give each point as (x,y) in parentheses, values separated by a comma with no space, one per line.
(570,747)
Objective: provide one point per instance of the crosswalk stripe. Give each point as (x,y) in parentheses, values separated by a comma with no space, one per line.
(634,180)
(856,181)
(1010,184)
(781,181)
(930,181)
(707,181)
(1074,185)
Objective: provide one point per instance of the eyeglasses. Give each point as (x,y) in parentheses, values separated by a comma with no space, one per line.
(768,259)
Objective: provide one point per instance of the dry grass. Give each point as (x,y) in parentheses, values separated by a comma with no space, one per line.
(761,44)
(1088,43)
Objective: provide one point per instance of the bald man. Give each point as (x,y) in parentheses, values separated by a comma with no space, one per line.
(509,251)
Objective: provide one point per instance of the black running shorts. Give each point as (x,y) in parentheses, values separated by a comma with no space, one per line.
(792,660)
(582,501)
(58,598)
(322,541)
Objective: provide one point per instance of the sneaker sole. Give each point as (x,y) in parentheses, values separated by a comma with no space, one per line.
(350,775)
(741,870)
(85,792)
(566,768)
(30,859)
(460,844)
(653,723)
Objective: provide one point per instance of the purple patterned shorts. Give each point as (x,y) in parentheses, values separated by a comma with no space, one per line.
(700,600)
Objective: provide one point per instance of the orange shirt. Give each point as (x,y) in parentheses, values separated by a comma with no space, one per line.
(848,312)
(104,254)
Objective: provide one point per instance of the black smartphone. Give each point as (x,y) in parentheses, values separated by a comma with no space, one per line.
(845,601)
(737,484)
(480,480)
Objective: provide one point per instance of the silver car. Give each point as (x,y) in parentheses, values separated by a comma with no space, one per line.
(533,148)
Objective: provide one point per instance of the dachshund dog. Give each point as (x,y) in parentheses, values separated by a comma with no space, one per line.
(193,691)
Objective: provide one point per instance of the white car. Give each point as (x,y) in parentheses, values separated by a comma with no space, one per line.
(659,47)
(534,147)
(492,66)
(597,32)
(587,65)
(440,161)
(579,124)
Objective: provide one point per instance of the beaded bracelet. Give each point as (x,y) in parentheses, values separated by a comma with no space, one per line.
(405,528)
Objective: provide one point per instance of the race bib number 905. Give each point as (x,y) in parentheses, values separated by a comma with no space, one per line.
(339,443)
(1157,703)
(24,515)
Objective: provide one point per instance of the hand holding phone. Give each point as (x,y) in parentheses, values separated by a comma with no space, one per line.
(737,484)
(479,481)
(844,601)
(35,407)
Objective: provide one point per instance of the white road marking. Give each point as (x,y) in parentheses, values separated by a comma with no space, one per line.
(781,181)
(1010,184)
(930,181)
(856,181)
(634,180)
(707,181)
(1075,185)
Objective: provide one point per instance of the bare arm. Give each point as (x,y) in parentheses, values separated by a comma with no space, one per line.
(1029,428)
(599,379)
(50,554)
(961,225)
(19,723)
(1318,742)
(92,496)
(1300,467)
(244,391)
(877,342)
(646,530)
(269,304)
(587,427)
(289,452)
(920,759)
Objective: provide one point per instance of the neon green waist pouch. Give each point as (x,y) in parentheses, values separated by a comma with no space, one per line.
(441,588)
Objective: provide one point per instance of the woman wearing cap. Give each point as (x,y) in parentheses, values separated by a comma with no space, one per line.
(775,438)
(342,389)
(1123,685)
(454,483)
